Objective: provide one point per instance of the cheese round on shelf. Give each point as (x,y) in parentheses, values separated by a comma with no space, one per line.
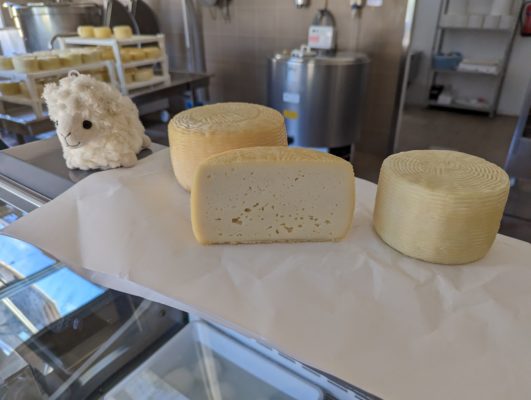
(106,53)
(143,74)
(272,194)
(47,63)
(90,56)
(129,75)
(125,55)
(23,88)
(9,88)
(70,59)
(201,132)
(440,206)
(122,32)
(25,64)
(137,54)
(102,32)
(152,52)
(6,63)
(85,31)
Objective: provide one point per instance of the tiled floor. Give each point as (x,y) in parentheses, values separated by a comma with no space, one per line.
(474,134)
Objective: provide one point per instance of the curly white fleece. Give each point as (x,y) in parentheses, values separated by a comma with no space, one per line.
(96,125)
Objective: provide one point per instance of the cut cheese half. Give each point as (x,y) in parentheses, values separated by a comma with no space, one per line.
(440,206)
(201,132)
(272,194)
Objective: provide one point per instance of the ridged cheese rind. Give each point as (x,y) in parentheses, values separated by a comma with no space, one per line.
(201,132)
(272,194)
(440,206)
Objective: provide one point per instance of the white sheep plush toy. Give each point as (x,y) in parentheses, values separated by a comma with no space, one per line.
(98,127)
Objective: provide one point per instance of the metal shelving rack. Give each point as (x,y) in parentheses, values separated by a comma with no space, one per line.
(116,45)
(497,79)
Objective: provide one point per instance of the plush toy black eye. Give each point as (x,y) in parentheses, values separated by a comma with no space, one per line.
(87,124)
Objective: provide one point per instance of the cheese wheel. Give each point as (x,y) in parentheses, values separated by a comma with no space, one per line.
(152,52)
(6,63)
(272,194)
(85,31)
(125,55)
(71,59)
(102,32)
(122,32)
(90,56)
(137,54)
(106,53)
(143,74)
(47,63)
(23,88)
(440,206)
(201,132)
(25,64)
(129,75)
(9,88)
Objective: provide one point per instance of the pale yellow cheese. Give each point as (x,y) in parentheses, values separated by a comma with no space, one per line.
(70,59)
(90,56)
(129,75)
(440,206)
(47,63)
(122,32)
(125,55)
(106,53)
(201,132)
(9,88)
(85,31)
(25,64)
(272,194)
(102,32)
(137,54)
(6,63)
(23,88)
(152,51)
(143,74)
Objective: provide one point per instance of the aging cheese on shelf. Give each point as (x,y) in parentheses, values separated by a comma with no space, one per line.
(70,59)
(6,63)
(49,62)
(440,206)
(102,32)
(272,194)
(122,32)
(137,54)
(152,52)
(9,88)
(85,31)
(201,132)
(125,55)
(106,53)
(90,56)
(143,74)
(25,64)
(129,75)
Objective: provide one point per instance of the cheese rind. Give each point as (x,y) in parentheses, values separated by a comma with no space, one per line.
(102,32)
(272,194)
(440,206)
(122,31)
(201,132)
(85,31)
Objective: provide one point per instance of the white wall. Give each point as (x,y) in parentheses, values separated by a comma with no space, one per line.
(475,44)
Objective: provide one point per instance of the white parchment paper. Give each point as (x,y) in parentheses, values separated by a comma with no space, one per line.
(394,326)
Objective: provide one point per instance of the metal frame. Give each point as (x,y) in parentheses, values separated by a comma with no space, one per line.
(499,78)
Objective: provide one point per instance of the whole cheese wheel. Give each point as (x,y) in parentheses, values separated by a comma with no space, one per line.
(23,88)
(6,63)
(440,206)
(272,194)
(85,31)
(129,75)
(47,63)
(152,52)
(143,74)
(90,56)
(201,132)
(9,88)
(102,32)
(25,64)
(71,59)
(137,54)
(106,53)
(125,55)
(122,32)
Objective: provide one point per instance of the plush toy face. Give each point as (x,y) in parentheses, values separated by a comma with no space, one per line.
(76,130)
